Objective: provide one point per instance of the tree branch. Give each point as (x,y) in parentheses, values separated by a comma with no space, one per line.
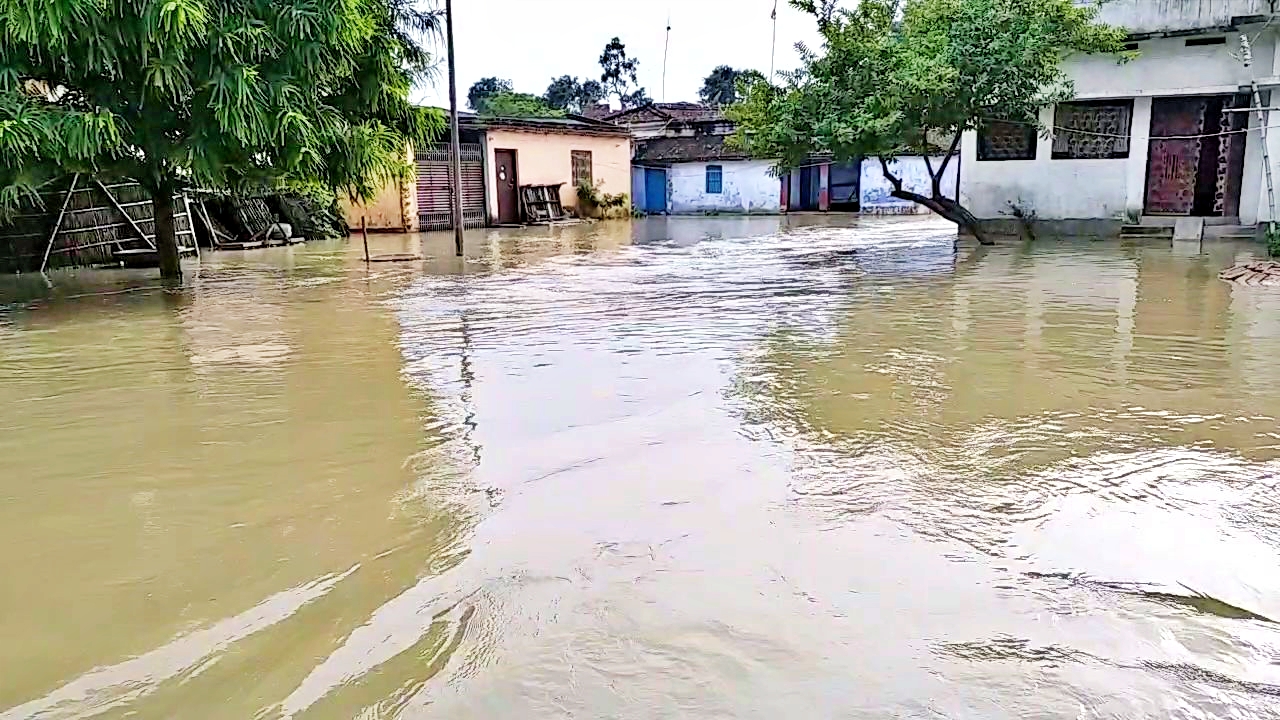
(955,144)
(888,175)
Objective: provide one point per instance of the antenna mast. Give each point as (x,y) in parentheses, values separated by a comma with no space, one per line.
(665,51)
(773,50)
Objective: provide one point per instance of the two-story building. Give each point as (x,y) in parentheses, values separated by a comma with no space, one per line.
(1184,130)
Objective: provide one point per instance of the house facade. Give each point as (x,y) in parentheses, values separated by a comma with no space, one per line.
(683,164)
(1176,132)
(498,157)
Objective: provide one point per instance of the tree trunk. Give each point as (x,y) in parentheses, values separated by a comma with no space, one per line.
(951,210)
(166,236)
(937,202)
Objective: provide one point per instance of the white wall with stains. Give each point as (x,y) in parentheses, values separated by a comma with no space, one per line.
(748,187)
(1113,189)
(874,191)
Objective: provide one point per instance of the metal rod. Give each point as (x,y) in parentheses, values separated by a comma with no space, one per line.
(112,199)
(58,223)
(773,50)
(364,235)
(666,49)
(455,143)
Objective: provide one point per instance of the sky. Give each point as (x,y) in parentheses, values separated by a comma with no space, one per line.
(531,41)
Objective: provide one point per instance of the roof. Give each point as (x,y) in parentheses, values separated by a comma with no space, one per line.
(660,112)
(685,149)
(570,124)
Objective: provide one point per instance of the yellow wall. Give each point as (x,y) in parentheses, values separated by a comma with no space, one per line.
(544,159)
(394,208)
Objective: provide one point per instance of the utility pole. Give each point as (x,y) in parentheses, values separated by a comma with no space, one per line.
(455,147)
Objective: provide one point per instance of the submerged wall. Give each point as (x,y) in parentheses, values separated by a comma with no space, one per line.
(875,189)
(747,186)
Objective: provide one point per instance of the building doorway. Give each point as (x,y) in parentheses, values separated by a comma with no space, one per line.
(504,167)
(655,191)
(1195,161)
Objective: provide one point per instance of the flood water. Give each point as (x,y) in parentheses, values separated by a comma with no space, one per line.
(676,468)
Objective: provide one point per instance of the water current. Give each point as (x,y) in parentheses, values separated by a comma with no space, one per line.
(670,468)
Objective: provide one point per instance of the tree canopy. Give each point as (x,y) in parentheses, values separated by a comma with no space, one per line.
(892,76)
(485,88)
(721,86)
(517,105)
(213,93)
(619,76)
(571,95)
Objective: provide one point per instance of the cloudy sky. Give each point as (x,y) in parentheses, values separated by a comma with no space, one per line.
(531,41)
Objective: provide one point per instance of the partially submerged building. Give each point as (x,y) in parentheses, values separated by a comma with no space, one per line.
(683,164)
(499,157)
(1187,129)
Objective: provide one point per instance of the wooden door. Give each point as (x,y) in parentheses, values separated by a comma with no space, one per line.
(508,186)
(1173,161)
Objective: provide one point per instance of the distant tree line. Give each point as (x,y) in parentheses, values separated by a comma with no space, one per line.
(618,80)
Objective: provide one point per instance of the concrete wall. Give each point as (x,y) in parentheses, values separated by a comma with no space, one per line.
(1112,189)
(1140,16)
(394,208)
(748,186)
(874,189)
(544,158)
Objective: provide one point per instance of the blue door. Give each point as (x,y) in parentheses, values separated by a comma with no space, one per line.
(655,191)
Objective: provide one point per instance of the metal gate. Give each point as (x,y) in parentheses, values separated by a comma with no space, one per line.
(434,197)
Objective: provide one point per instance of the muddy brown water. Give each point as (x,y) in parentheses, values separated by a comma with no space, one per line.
(676,468)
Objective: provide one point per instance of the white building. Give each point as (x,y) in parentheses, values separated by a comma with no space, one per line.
(1165,135)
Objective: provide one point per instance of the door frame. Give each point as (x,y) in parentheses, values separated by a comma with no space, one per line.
(1234,102)
(497,189)
(649,201)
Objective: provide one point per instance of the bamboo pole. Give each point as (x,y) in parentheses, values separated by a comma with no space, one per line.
(191,221)
(57,225)
(455,143)
(132,223)
(364,235)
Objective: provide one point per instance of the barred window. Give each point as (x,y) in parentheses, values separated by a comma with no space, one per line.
(715,179)
(1001,140)
(581,167)
(1096,129)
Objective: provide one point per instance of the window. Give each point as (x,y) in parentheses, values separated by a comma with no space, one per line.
(1098,129)
(1001,140)
(715,179)
(581,167)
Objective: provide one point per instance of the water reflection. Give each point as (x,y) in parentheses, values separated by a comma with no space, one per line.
(722,467)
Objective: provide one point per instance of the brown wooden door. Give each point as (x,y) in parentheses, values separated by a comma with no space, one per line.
(508,186)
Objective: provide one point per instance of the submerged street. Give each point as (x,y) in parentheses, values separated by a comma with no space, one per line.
(670,468)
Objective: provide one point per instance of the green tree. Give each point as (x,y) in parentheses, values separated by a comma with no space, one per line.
(212,93)
(569,94)
(485,88)
(518,105)
(721,86)
(893,76)
(619,76)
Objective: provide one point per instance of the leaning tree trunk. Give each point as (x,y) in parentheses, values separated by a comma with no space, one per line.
(166,236)
(951,210)
(935,200)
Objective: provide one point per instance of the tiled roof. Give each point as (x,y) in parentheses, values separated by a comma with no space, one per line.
(679,111)
(685,149)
